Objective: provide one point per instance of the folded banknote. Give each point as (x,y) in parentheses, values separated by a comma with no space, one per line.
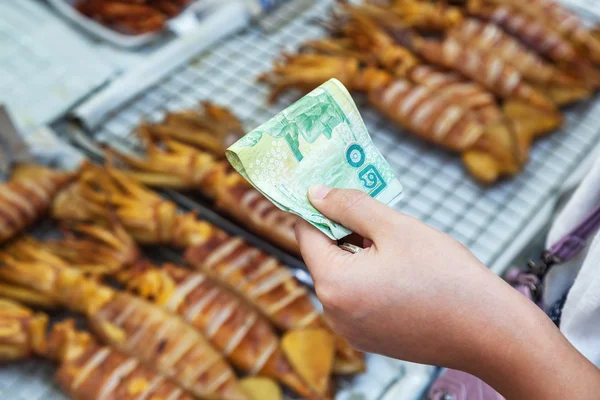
(320,139)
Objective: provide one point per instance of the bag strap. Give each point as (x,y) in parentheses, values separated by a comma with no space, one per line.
(571,244)
(529,282)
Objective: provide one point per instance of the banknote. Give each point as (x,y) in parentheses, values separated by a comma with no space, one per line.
(320,139)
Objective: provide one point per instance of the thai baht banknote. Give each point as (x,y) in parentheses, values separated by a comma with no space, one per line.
(320,139)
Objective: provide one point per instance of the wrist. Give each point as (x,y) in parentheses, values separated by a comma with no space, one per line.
(524,355)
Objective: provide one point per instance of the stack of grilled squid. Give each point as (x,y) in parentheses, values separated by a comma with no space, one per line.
(186,151)
(157,332)
(482,78)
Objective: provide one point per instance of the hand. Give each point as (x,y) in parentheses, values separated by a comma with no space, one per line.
(419,295)
(409,295)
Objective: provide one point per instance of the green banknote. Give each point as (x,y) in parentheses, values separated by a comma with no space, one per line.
(319,139)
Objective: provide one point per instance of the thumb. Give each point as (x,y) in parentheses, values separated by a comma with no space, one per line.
(353,209)
(320,254)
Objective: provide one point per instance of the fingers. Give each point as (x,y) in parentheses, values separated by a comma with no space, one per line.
(353,209)
(318,251)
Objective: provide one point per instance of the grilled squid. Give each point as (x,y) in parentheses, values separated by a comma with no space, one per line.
(21,331)
(438,106)
(27,196)
(87,370)
(269,286)
(429,114)
(561,20)
(491,72)
(90,371)
(133,326)
(104,193)
(170,164)
(490,37)
(245,337)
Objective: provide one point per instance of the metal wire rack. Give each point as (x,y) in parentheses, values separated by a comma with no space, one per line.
(438,190)
(29,380)
(585,6)
(33,379)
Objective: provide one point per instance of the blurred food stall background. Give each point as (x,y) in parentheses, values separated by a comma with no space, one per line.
(114,81)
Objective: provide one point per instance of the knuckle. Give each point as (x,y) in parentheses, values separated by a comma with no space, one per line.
(357,343)
(331,321)
(335,260)
(335,323)
(328,295)
(346,331)
(298,230)
(347,200)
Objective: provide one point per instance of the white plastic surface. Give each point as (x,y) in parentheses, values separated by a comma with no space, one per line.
(45,67)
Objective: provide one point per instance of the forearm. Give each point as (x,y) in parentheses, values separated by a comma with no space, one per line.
(524,356)
(417,294)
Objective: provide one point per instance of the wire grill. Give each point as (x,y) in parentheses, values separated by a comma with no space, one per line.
(586,6)
(33,379)
(57,66)
(29,380)
(438,190)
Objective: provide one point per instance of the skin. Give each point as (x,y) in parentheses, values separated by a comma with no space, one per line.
(419,295)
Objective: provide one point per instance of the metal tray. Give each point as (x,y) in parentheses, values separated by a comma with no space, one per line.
(494,222)
(178,24)
(32,379)
(66,8)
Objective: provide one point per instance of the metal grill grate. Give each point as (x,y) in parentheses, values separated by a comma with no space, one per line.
(438,190)
(586,6)
(33,379)
(29,380)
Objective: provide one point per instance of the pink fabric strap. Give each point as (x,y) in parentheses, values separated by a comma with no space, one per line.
(572,243)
